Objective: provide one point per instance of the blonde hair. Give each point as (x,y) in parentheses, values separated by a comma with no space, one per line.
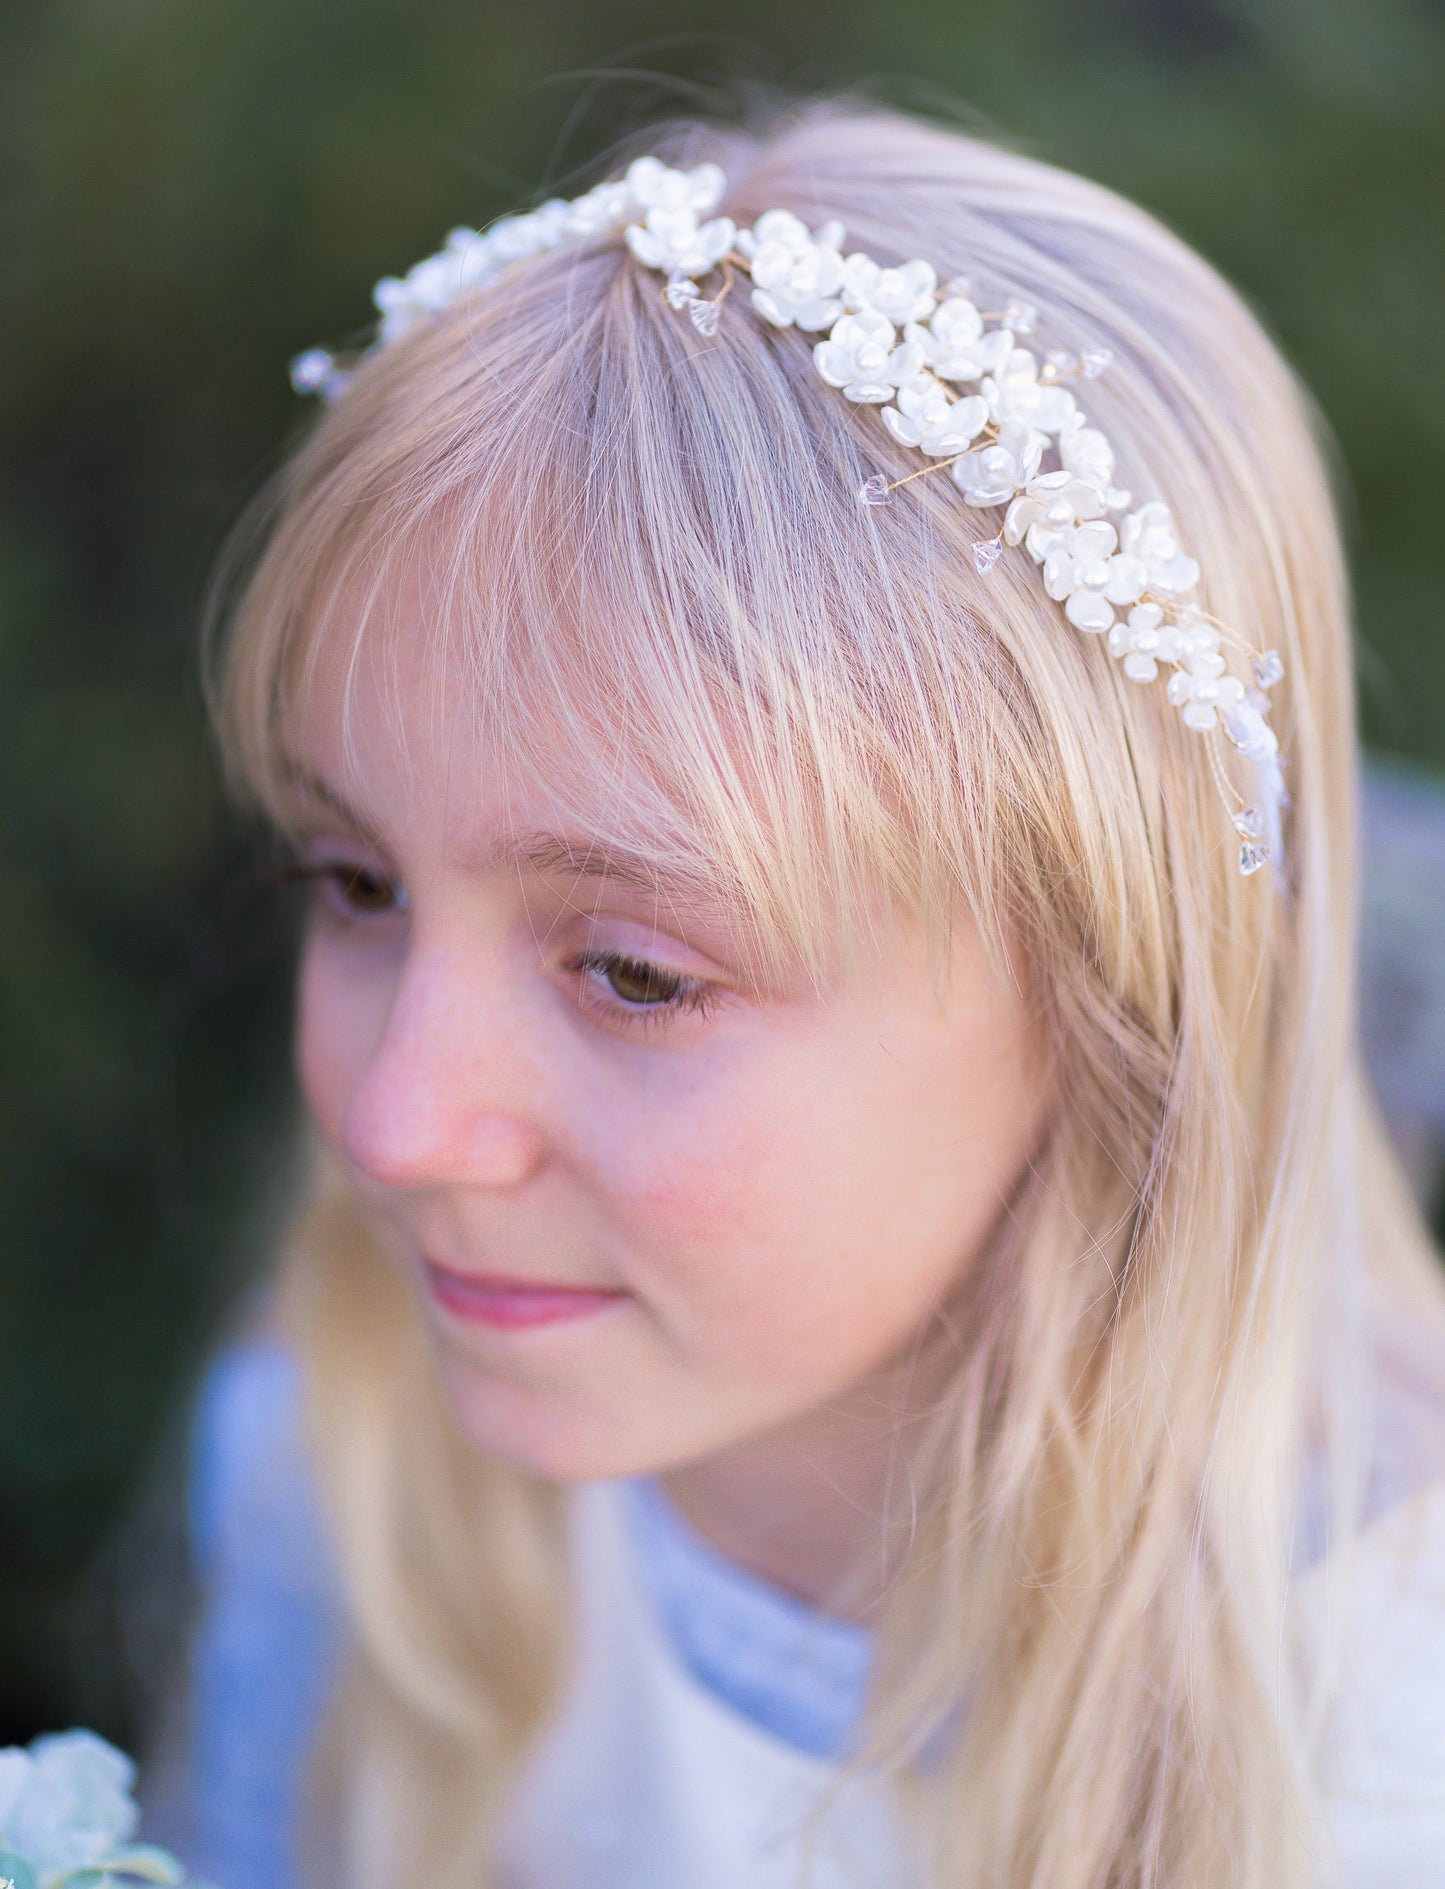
(652,542)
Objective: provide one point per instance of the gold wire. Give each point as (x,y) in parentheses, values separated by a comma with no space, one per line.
(1221,780)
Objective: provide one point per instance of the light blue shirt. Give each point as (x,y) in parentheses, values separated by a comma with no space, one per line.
(270,1631)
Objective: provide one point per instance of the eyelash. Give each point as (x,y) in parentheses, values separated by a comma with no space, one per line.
(682,994)
(686,995)
(341,880)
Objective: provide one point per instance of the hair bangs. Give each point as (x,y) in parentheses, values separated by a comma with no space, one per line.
(632,554)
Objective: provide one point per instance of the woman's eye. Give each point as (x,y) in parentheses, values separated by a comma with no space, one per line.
(350,890)
(636,988)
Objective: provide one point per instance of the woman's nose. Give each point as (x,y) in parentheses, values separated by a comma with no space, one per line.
(449,1094)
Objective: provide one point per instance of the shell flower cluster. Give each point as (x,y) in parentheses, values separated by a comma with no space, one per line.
(955,383)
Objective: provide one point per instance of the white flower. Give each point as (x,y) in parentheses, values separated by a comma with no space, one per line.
(903,295)
(796,275)
(70,1807)
(1203,697)
(1085,452)
(993,474)
(426,289)
(465,259)
(654,185)
(1044,515)
(1086,572)
(1015,392)
(1189,641)
(673,239)
(955,345)
(1149,534)
(475,260)
(600,209)
(66,1808)
(862,355)
(927,418)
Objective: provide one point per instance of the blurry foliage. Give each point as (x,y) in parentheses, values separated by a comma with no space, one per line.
(192,190)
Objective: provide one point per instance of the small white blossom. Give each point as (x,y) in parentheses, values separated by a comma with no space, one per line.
(654,185)
(796,275)
(1202,698)
(1044,515)
(903,295)
(1086,572)
(863,356)
(1015,392)
(1150,535)
(600,210)
(1145,640)
(955,345)
(674,240)
(404,302)
(993,474)
(925,417)
(1084,451)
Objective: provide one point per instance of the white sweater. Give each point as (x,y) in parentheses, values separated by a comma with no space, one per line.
(648,1781)
(649,1778)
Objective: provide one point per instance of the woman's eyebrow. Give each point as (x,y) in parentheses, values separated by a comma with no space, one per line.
(545,853)
(310,785)
(591,859)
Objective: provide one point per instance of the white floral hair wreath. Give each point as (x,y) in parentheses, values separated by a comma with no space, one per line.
(1131,585)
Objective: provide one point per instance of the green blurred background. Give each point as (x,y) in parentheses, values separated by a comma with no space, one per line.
(192,190)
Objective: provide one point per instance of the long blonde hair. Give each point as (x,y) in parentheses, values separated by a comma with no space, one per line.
(654,539)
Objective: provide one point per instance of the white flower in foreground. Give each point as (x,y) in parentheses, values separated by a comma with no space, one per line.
(863,356)
(674,240)
(995,473)
(66,1811)
(903,295)
(925,417)
(796,273)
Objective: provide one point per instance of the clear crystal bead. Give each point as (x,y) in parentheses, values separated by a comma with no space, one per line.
(874,491)
(986,554)
(1093,361)
(1022,317)
(1268,668)
(704,316)
(1252,856)
(1249,821)
(680,290)
(959,288)
(1059,364)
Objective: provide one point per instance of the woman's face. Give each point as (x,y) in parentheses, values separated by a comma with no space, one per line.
(650,1209)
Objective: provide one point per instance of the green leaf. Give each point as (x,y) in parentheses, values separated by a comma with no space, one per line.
(148,1862)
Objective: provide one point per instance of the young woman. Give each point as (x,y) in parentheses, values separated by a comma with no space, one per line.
(856,1322)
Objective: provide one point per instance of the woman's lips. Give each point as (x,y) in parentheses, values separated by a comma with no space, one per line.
(512,1304)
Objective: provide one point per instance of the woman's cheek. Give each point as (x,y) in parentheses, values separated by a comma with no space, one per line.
(340,1017)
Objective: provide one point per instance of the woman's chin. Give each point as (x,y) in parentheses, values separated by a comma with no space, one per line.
(558,1437)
